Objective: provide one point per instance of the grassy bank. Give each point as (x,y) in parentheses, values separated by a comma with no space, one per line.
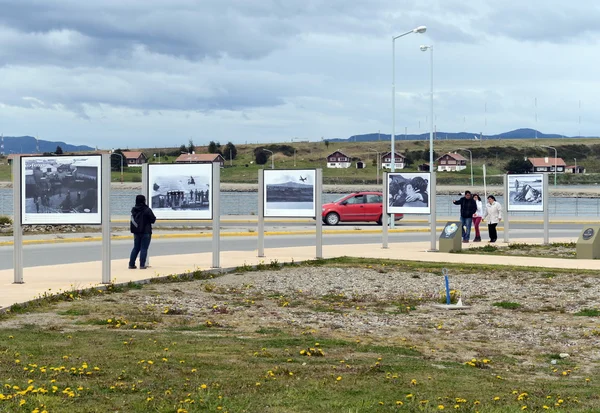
(140,349)
(493,153)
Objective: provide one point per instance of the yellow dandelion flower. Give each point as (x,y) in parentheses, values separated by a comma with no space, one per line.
(203,386)
(441,407)
(399,402)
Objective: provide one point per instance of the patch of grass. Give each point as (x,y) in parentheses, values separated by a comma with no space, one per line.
(508,305)
(187,364)
(269,331)
(75,312)
(588,312)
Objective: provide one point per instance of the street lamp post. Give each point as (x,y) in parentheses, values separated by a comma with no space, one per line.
(555,160)
(432,204)
(158,156)
(377,163)
(122,160)
(272,157)
(470,161)
(420,29)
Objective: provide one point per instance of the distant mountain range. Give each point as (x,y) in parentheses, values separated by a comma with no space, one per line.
(28,144)
(291,184)
(515,134)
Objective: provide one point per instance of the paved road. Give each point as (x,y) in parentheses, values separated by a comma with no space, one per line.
(56,254)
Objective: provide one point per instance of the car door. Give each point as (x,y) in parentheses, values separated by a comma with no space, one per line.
(373,207)
(352,209)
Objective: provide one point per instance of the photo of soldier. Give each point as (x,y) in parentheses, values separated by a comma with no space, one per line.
(180,191)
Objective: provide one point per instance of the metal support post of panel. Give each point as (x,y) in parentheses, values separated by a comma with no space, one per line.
(105,189)
(319,211)
(506,213)
(261,213)
(546,210)
(216,211)
(146,193)
(384,218)
(17,228)
(433,216)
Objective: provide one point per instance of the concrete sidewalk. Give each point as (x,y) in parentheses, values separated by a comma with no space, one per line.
(53,279)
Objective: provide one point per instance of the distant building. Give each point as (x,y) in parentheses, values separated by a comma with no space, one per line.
(424,167)
(134,158)
(386,160)
(547,164)
(575,169)
(451,162)
(200,158)
(360,165)
(13,155)
(338,160)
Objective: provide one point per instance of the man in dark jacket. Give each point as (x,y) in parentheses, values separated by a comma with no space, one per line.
(140,225)
(468,207)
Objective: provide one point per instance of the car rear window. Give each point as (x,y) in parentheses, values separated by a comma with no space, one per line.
(374,199)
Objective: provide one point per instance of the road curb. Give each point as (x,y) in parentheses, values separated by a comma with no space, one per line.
(208,235)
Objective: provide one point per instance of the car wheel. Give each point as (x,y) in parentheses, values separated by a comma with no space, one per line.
(332,218)
(380,220)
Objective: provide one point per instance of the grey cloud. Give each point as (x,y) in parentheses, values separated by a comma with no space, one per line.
(544,21)
(197,30)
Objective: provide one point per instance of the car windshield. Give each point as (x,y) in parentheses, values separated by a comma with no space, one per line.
(339,199)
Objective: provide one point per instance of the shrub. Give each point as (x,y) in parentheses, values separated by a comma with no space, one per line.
(5,220)
(507,305)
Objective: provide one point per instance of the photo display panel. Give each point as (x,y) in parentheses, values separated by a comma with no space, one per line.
(525,193)
(181,191)
(289,193)
(408,193)
(59,190)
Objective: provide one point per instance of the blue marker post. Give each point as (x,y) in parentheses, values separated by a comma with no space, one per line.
(445,272)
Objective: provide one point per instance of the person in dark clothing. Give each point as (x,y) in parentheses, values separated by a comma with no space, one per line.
(140,225)
(468,207)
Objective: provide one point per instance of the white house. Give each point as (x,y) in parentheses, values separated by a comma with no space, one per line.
(386,160)
(338,160)
(547,164)
(451,162)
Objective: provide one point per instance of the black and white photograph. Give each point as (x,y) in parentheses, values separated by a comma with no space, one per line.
(180,191)
(526,193)
(60,190)
(408,193)
(289,193)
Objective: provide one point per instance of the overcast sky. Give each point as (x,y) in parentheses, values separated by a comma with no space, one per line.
(139,73)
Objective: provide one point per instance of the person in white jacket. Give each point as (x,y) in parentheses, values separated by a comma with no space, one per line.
(493,215)
(477,217)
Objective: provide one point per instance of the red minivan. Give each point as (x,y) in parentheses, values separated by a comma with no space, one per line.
(356,207)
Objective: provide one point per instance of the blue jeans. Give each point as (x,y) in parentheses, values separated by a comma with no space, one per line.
(465,223)
(141,242)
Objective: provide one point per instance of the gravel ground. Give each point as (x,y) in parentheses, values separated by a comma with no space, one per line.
(384,305)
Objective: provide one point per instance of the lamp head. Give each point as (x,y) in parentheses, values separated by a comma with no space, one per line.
(424,48)
(420,29)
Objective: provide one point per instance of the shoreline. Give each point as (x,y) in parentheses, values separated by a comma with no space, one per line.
(588,192)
